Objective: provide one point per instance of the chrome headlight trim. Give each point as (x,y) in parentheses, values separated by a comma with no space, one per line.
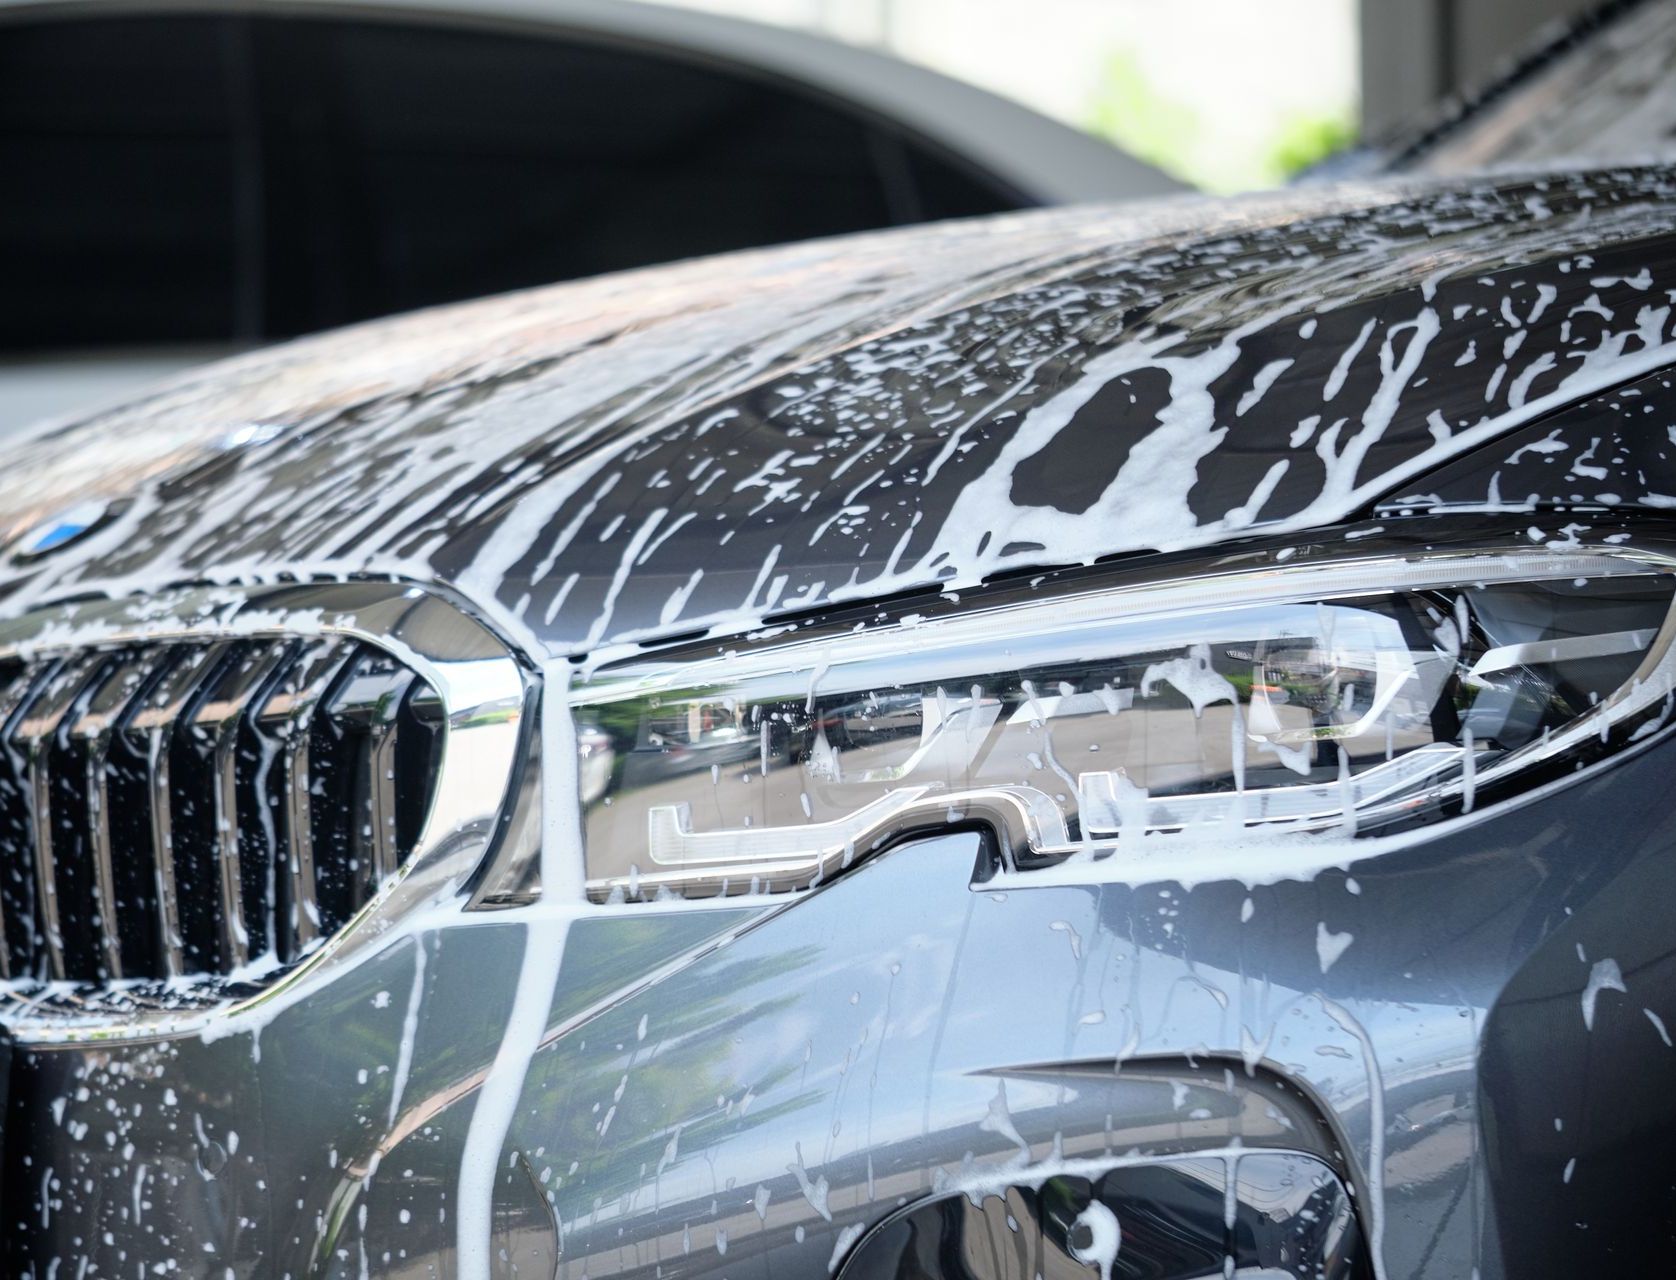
(486,695)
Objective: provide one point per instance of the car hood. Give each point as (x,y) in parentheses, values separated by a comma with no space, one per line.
(711,443)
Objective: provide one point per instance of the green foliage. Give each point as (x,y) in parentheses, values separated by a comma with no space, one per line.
(1304,140)
(1174,134)
(1131,112)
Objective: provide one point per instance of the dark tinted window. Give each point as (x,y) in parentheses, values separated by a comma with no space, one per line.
(212,178)
(117,142)
(477,162)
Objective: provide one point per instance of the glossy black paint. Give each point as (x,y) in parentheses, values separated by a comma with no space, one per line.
(1608,451)
(1578,1116)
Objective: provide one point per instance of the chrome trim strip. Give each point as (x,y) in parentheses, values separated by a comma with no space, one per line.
(36,731)
(293,705)
(1100,807)
(1101,607)
(221,716)
(483,689)
(1022,819)
(671,841)
(158,719)
(13,701)
(97,747)
(95,730)
(1187,595)
(1569,649)
(709,862)
(381,776)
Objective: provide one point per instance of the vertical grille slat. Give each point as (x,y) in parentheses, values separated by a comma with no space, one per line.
(288,717)
(357,730)
(203,805)
(154,726)
(382,735)
(18,896)
(340,807)
(216,726)
(60,836)
(418,757)
(104,873)
(195,847)
(263,833)
(93,733)
(128,813)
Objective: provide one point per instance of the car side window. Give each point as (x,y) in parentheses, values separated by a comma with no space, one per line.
(234,178)
(411,164)
(118,139)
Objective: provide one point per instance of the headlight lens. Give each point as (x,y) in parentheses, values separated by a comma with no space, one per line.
(1307,692)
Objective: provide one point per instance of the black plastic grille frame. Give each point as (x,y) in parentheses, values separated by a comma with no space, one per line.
(186,807)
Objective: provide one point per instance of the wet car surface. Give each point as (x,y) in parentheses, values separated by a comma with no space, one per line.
(819,518)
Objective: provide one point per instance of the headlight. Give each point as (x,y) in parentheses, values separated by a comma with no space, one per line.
(1297,690)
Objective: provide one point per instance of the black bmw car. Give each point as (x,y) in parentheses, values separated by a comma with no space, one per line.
(1091,743)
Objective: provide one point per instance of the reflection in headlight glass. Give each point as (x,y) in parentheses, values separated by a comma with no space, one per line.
(1301,712)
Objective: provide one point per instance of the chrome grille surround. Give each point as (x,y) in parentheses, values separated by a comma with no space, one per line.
(163,792)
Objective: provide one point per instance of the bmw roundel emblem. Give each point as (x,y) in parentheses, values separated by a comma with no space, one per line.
(65,528)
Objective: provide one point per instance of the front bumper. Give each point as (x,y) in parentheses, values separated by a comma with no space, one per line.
(728,1089)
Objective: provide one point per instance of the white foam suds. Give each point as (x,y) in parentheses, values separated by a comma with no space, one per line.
(1604,976)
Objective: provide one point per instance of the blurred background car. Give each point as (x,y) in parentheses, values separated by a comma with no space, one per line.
(199,177)
(1599,88)
(194,180)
